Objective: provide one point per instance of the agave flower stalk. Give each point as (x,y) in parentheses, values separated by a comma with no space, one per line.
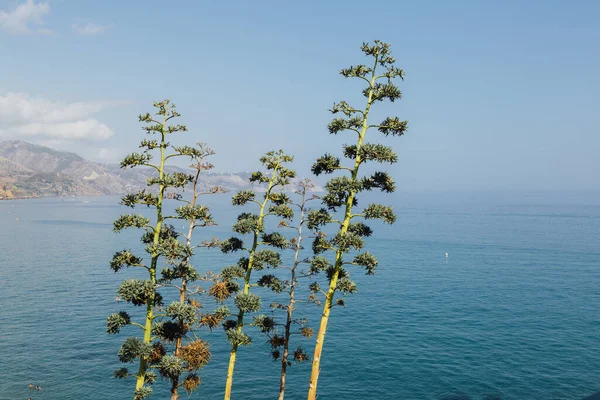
(342,190)
(273,203)
(195,353)
(161,243)
(279,334)
(289,308)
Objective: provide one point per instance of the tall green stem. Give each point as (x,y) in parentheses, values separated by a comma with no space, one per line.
(141,375)
(246,290)
(316,363)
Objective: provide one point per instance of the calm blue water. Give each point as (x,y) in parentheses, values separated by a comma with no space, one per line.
(513,313)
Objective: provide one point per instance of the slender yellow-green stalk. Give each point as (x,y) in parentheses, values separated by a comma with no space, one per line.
(160,240)
(141,375)
(342,191)
(246,290)
(254,224)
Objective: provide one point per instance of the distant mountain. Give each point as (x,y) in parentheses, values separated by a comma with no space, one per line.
(28,170)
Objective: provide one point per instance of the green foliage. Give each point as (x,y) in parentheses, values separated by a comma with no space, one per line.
(318,264)
(180,270)
(121,373)
(371,152)
(341,272)
(149,144)
(232,244)
(170,248)
(393,126)
(141,197)
(247,302)
(247,223)
(242,197)
(282,211)
(342,124)
(133,348)
(244,263)
(278,198)
(178,179)
(266,256)
(320,244)
(229,324)
(383,91)
(222,312)
(272,282)
(339,189)
(136,159)
(124,258)
(142,393)
(366,260)
(116,321)
(139,292)
(264,323)
(259,177)
(237,338)
(182,311)
(345,241)
(325,165)
(379,180)
(195,153)
(232,272)
(359,71)
(274,160)
(167,232)
(194,212)
(275,239)
(151,377)
(346,286)
(170,367)
(130,221)
(377,211)
(318,218)
(168,331)
(360,229)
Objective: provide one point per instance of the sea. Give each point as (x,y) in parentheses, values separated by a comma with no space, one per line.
(477,296)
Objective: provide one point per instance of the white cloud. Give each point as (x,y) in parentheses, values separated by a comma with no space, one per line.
(24,18)
(88,29)
(107,155)
(77,130)
(32,118)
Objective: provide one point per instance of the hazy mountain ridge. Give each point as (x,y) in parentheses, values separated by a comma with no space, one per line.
(28,170)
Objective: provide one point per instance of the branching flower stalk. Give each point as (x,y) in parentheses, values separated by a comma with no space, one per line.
(196,353)
(161,242)
(289,308)
(342,190)
(275,204)
(280,333)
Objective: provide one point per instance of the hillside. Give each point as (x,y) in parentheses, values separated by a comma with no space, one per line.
(28,170)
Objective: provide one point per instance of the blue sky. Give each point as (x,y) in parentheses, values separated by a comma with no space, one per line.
(498,95)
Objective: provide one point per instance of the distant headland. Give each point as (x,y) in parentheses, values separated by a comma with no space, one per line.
(28,171)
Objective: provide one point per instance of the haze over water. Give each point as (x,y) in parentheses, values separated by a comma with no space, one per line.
(511,313)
